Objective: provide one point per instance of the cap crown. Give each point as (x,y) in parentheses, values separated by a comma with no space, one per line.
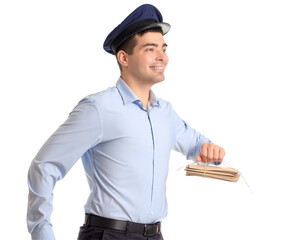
(144,17)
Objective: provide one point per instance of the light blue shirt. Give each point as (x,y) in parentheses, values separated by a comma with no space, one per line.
(125,152)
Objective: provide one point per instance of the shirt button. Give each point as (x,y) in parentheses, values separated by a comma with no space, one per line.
(151,213)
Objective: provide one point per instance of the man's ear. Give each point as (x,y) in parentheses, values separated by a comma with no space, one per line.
(122,57)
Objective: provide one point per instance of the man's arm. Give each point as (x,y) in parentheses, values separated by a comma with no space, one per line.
(71,140)
(194,145)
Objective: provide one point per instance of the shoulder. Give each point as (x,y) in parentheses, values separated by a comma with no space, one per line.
(102,98)
(168,109)
(92,104)
(165,104)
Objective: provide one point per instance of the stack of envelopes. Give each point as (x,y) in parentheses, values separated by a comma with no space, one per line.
(227,174)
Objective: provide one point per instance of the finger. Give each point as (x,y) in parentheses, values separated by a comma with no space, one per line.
(222,154)
(203,152)
(210,152)
(216,153)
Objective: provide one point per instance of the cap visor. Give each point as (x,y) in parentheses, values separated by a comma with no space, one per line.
(164,26)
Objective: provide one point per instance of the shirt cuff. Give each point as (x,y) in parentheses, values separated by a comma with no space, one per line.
(43,234)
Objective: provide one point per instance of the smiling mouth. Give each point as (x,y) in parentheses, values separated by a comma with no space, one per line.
(157,68)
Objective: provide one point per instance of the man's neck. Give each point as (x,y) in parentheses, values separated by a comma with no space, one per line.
(142,91)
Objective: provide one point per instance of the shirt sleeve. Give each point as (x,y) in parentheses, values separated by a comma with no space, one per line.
(187,140)
(81,131)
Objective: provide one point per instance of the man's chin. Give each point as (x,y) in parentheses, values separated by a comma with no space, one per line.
(159,79)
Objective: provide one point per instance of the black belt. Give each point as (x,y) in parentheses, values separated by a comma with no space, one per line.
(148,230)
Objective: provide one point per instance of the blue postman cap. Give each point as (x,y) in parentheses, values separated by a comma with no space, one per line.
(142,18)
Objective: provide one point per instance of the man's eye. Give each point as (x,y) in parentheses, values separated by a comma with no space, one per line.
(149,50)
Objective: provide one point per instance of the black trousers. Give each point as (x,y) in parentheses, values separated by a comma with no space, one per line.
(96,233)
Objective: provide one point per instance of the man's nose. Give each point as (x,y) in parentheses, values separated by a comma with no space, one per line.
(160,56)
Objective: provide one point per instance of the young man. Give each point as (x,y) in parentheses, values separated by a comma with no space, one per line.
(124,136)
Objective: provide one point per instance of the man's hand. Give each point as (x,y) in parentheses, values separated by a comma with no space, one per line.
(210,153)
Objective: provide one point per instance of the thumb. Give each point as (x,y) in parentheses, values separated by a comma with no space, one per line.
(198,158)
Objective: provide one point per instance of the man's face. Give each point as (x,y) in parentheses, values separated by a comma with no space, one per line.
(149,60)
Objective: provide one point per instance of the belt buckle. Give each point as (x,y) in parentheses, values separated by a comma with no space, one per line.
(150,234)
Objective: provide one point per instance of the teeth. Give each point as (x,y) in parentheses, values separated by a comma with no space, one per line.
(159,68)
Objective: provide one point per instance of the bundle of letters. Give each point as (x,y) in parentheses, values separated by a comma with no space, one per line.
(226,174)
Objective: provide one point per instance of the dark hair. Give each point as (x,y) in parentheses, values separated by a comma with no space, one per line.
(129,45)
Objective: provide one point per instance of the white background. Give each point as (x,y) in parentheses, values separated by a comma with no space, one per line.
(227,77)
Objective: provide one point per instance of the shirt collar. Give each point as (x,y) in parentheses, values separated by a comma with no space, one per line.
(153,100)
(128,96)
